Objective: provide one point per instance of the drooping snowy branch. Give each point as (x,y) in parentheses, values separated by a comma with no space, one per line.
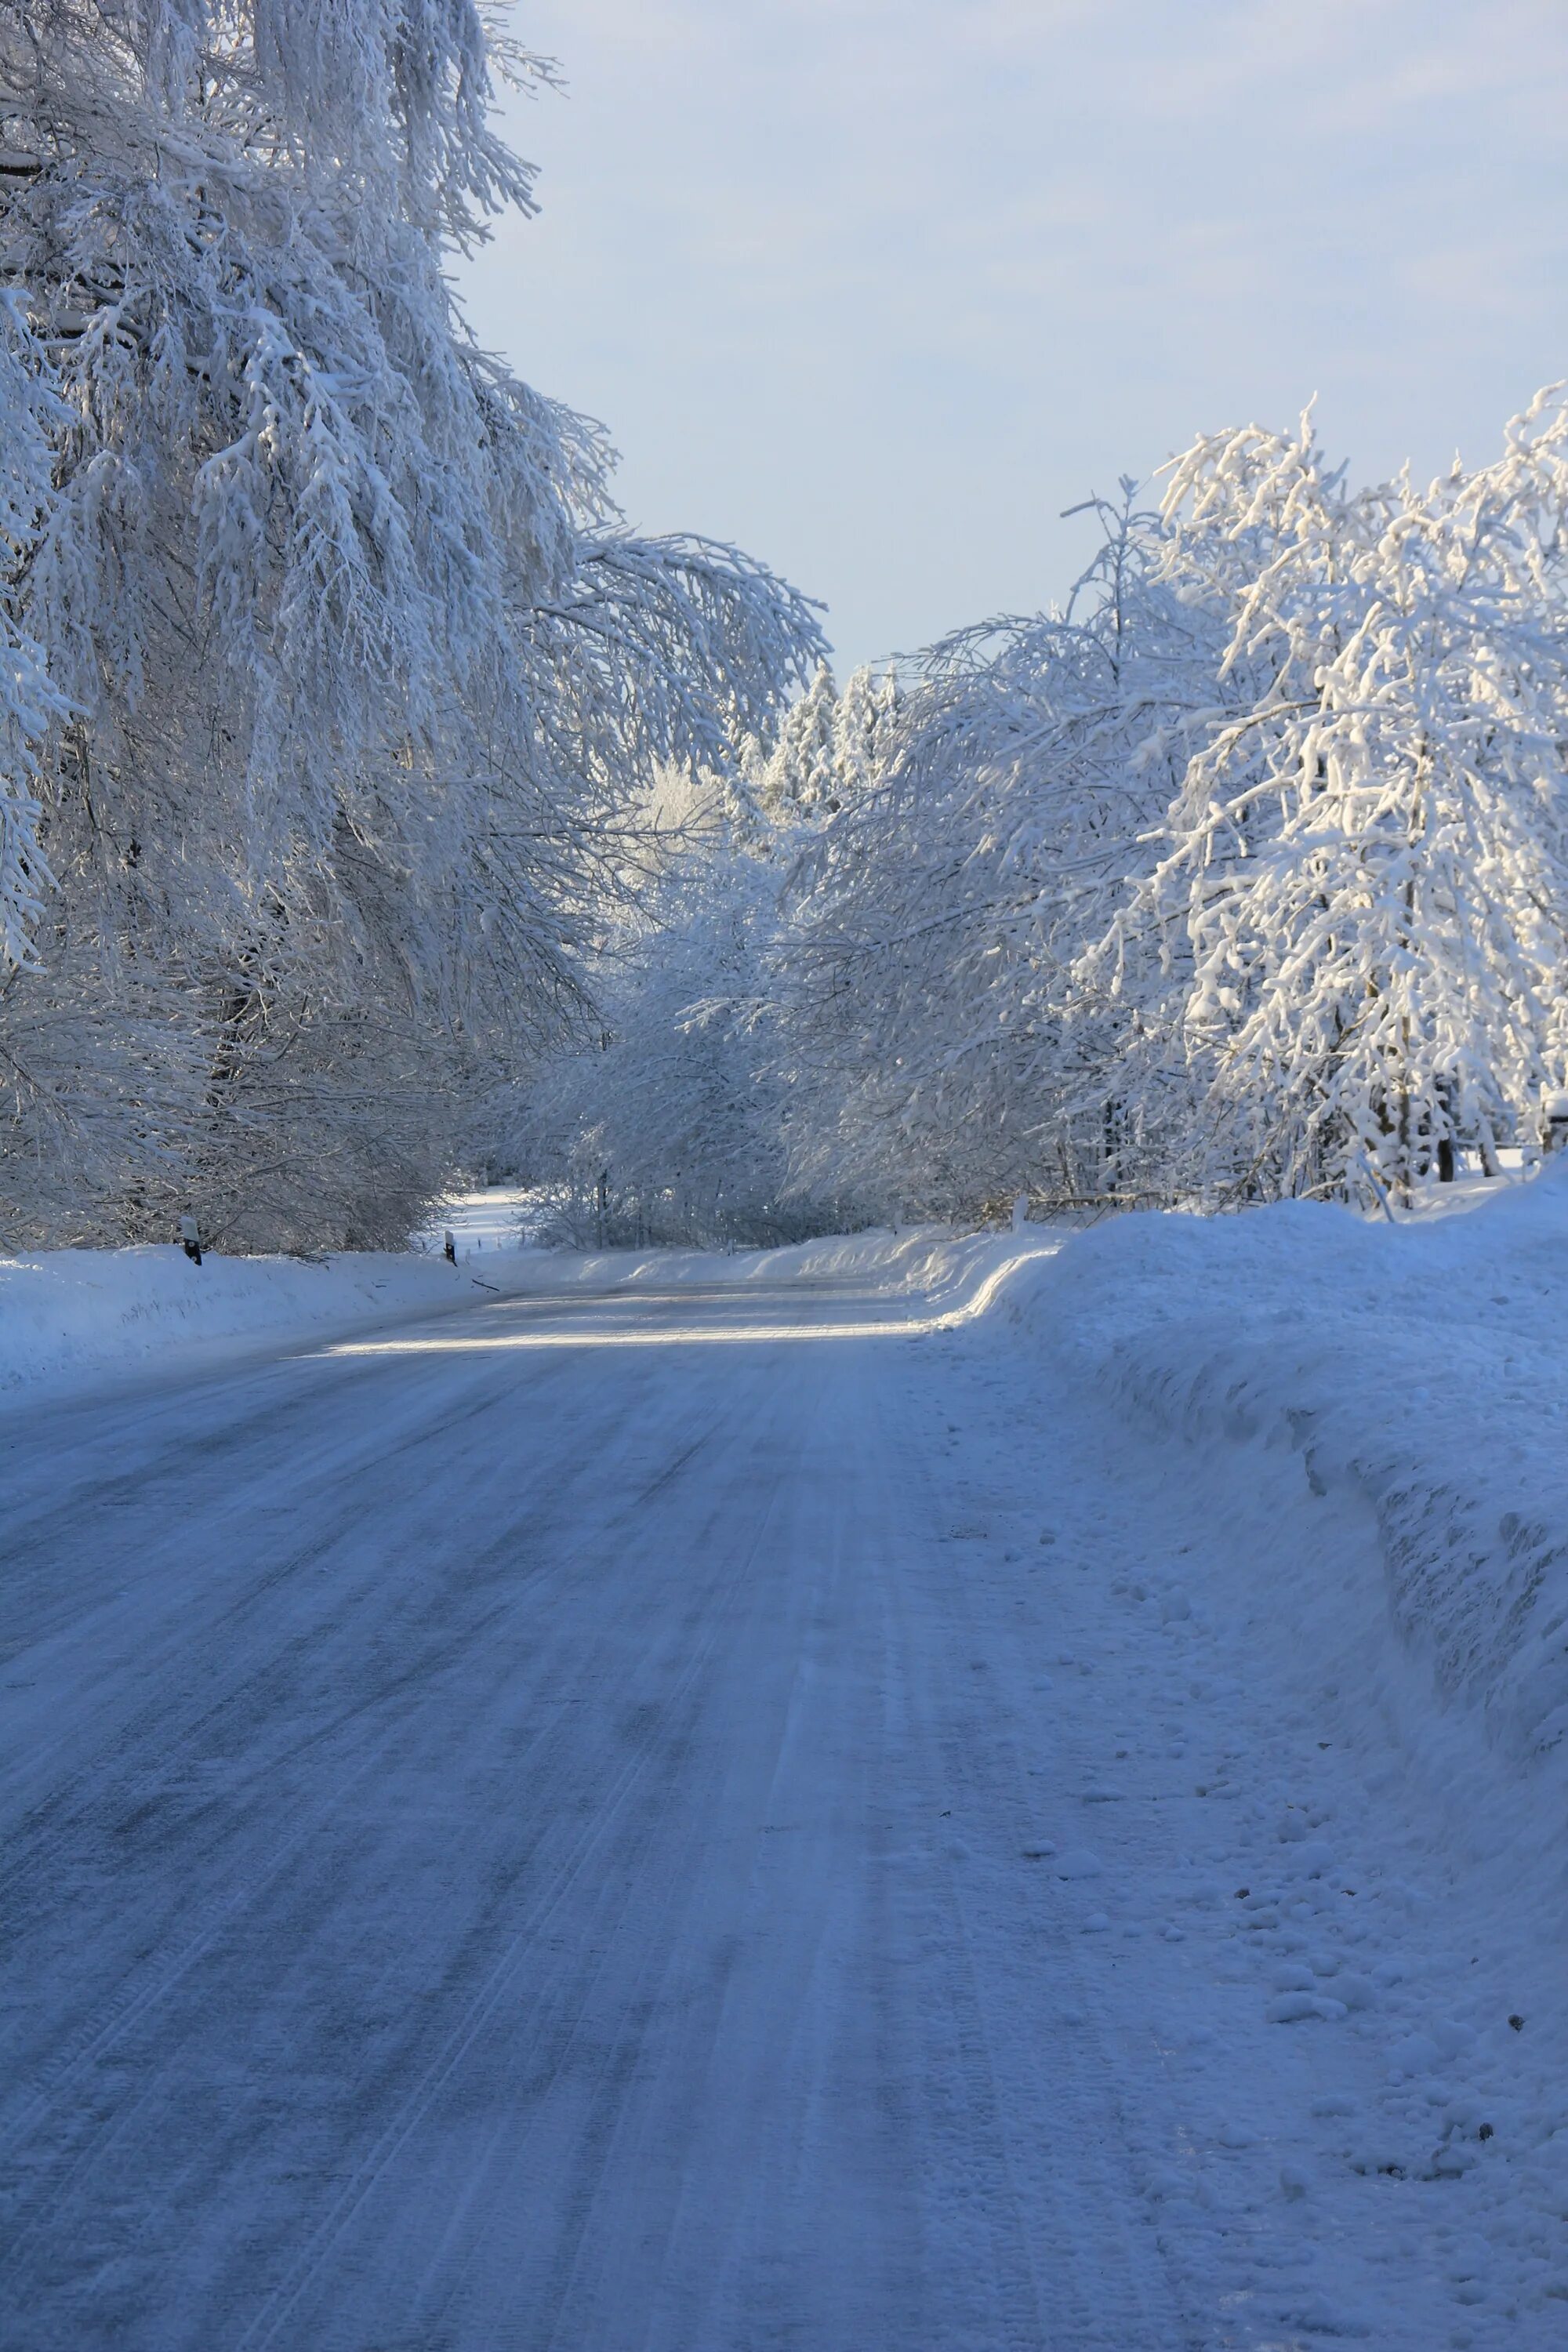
(334,663)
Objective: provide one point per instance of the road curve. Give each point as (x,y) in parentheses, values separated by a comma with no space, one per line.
(511,1847)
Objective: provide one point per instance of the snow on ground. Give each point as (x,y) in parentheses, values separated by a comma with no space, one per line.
(499,1217)
(70,1317)
(1416,1378)
(1104,1694)
(1329,1590)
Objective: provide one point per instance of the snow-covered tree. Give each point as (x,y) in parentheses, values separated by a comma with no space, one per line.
(1246,875)
(864,726)
(666,1124)
(328,664)
(941,1051)
(829,749)
(676,1120)
(1357,925)
(29,702)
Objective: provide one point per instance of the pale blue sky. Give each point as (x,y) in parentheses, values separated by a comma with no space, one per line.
(875,287)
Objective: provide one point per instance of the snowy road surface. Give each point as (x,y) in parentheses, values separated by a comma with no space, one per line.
(665,1846)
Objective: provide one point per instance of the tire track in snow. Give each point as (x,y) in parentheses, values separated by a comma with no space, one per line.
(687,2035)
(459,2037)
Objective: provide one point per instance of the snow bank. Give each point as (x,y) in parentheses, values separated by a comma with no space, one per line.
(70,1314)
(69,1317)
(932,1259)
(1392,1400)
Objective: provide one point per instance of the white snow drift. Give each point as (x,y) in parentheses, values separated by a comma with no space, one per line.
(1414,1376)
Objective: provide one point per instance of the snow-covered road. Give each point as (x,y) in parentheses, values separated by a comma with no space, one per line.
(686,1847)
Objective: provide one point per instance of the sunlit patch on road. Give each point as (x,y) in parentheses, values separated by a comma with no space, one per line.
(688,1335)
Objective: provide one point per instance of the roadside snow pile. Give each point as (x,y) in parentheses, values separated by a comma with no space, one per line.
(67,1316)
(932,1259)
(1415,1379)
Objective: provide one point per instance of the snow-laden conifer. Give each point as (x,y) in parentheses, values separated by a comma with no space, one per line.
(828,748)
